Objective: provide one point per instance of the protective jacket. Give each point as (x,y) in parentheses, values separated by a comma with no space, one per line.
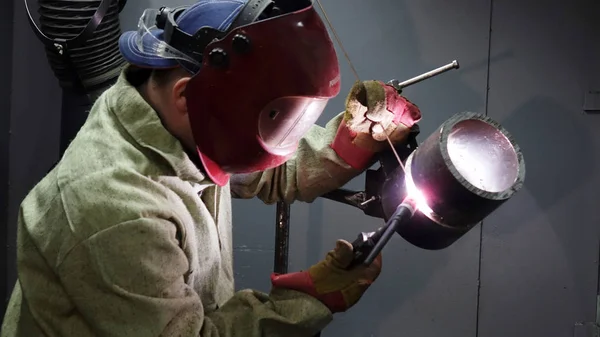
(126,236)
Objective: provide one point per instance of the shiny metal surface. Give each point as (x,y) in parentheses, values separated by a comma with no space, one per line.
(459,175)
(483,155)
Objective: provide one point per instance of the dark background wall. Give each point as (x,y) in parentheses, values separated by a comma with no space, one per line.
(6,34)
(31,120)
(530,270)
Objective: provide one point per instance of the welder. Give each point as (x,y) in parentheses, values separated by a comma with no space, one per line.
(130,233)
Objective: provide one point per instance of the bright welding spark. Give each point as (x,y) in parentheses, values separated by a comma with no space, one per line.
(415,194)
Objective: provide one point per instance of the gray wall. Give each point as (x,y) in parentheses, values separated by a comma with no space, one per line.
(540,252)
(530,270)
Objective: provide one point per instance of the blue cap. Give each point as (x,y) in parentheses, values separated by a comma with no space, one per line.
(216,14)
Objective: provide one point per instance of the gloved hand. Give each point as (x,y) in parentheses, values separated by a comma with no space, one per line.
(330,282)
(373,110)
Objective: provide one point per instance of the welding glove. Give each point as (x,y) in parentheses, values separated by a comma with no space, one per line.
(331,281)
(374,111)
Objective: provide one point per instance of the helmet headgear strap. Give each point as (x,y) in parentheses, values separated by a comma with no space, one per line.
(194,45)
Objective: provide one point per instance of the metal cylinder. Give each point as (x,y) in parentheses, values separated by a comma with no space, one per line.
(459,175)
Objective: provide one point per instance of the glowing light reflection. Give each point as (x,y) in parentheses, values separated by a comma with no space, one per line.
(419,198)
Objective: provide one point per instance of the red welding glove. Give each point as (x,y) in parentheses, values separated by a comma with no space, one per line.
(373,110)
(330,281)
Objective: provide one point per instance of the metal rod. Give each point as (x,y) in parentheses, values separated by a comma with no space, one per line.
(282,238)
(453,65)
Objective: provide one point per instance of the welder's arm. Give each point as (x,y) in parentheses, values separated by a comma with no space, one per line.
(314,170)
(129,280)
(329,157)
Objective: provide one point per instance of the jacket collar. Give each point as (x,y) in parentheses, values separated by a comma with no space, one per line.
(145,127)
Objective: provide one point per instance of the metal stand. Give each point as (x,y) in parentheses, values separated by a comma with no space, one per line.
(282,238)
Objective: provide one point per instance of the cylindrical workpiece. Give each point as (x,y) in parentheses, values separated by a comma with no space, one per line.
(460,174)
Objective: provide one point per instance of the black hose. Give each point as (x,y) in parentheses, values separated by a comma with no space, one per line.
(97,61)
(81,41)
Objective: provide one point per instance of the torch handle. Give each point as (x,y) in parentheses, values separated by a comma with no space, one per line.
(403,213)
(368,245)
(363,245)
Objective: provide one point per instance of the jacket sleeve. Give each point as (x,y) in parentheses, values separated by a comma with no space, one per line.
(314,170)
(129,280)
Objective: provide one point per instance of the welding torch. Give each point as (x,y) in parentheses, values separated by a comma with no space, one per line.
(368,245)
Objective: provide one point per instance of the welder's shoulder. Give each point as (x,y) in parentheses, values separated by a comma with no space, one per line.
(104,183)
(113,196)
(105,178)
(59,213)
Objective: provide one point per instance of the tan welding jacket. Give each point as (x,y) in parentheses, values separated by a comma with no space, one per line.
(125,237)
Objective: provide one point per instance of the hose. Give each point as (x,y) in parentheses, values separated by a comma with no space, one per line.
(81,43)
(97,61)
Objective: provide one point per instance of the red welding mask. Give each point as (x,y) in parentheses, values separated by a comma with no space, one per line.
(260,85)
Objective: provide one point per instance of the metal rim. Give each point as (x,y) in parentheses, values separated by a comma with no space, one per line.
(445,131)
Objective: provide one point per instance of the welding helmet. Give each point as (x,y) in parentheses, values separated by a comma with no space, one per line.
(263,72)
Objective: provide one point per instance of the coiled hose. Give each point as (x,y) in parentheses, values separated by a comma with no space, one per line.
(97,61)
(81,42)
